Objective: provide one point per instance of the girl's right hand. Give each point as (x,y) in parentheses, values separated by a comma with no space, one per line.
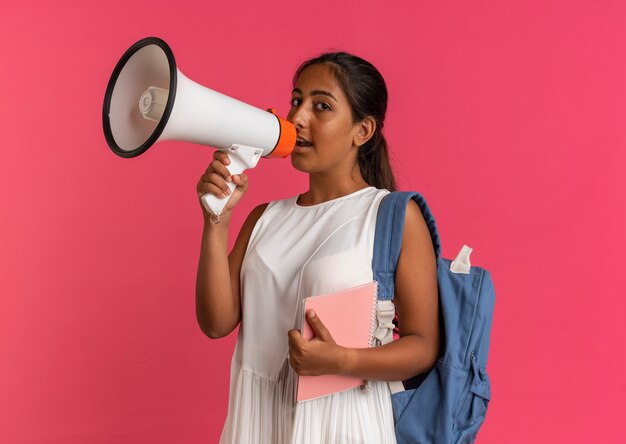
(213,181)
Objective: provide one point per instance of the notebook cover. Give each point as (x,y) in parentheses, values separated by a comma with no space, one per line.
(350,317)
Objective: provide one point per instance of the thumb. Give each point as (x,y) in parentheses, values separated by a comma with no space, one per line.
(318,326)
(241,180)
(241,186)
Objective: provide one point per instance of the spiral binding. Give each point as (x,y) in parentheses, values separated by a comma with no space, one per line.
(366,387)
(373,318)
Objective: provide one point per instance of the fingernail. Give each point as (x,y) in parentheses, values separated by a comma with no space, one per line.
(311,314)
(228,191)
(229,178)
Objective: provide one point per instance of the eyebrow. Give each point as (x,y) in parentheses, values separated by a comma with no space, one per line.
(316,92)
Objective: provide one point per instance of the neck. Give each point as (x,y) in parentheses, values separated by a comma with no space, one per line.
(324,187)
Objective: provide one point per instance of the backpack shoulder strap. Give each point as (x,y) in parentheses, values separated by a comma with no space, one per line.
(388,237)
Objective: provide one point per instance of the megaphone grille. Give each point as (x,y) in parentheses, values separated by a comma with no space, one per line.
(149,62)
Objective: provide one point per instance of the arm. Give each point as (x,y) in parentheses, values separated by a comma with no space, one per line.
(218,302)
(417,305)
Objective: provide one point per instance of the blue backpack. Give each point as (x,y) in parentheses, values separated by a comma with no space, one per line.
(447,404)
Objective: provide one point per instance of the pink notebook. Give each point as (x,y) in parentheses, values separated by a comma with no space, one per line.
(350,316)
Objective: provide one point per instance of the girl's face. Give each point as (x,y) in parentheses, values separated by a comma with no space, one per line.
(323,119)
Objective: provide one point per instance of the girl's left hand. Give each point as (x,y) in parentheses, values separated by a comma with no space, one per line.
(319,356)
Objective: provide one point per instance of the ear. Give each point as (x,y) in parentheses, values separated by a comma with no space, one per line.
(364,130)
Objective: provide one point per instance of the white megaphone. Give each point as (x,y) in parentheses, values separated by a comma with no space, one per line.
(149,100)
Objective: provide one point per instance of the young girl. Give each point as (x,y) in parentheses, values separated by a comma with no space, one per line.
(313,243)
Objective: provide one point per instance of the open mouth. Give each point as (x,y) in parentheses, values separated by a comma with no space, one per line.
(303,143)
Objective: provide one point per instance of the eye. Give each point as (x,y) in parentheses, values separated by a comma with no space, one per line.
(295,102)
(322,106)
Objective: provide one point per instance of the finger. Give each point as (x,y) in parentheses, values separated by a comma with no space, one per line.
(210,188)
(293,364)
(317,325)
(295,338)
(222,156)
(218,167)
(215,179)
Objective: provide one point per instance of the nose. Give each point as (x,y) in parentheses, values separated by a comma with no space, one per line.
(297,116)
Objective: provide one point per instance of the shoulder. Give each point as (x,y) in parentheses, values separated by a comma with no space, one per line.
(246,229)
(416,235)
(255,215)
(413,218)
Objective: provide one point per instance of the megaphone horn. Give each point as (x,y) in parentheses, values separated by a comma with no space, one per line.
(148,100)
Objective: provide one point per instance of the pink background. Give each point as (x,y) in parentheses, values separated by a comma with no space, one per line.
(507,116)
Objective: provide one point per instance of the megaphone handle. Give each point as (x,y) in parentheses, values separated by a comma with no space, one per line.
(214,204)
(241,158)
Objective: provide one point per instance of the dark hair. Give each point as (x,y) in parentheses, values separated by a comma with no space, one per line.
(367,93)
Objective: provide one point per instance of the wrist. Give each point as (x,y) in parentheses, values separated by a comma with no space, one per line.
(211,222)
(348,360)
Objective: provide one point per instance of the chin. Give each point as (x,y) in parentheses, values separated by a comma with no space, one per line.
(298,165)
